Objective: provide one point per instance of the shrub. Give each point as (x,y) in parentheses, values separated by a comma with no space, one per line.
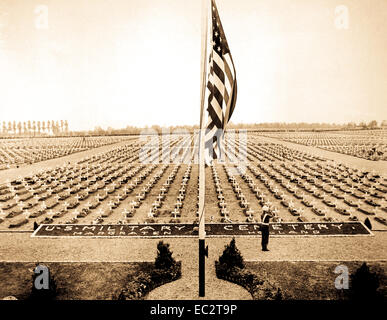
(231,256)
(164,259)
(278,295)
(364,284)
(367,223)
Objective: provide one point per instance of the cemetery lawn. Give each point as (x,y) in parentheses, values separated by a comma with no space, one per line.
(311,280)
(74,280)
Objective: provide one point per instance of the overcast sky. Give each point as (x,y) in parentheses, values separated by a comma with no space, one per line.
(137,62)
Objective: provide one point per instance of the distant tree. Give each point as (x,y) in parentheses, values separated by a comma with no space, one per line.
(66,125)
(109,130)
(14,126)
(55,127)
(19,127)
(29,126)
(157,128)
(39,126)
(61,125)
(362,125)
(4,127)
(49,126)
(34,126)
(373,124)
(24,127)
(99,131)
(44,126)
(9,126)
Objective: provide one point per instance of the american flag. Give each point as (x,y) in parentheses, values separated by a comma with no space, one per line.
(221,88)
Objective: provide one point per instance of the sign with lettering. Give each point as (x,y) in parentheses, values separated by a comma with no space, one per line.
(191,230)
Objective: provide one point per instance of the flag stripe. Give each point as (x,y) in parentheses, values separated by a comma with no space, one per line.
(221,86)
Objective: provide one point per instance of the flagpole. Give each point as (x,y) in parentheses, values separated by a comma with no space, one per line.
(203,73)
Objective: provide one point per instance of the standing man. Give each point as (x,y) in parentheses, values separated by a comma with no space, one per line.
(265,219)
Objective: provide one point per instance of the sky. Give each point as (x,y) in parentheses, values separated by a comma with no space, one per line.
(137,62)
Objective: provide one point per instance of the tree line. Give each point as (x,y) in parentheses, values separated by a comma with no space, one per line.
(60,127)
(35,127)
(273,126)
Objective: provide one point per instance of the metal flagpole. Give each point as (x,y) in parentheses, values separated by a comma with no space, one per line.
(203,74)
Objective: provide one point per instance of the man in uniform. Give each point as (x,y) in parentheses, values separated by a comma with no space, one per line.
(265,219)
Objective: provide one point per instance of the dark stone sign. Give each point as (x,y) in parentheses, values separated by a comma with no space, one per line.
(212,230)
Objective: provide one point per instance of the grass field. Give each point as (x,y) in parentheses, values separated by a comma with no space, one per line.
(75,281)
(305,280)
(312,280)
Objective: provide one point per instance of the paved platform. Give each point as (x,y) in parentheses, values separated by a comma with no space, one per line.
(21,247)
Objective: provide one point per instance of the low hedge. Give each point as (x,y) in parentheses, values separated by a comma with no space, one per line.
(259,289)
(139,286)
(165,270)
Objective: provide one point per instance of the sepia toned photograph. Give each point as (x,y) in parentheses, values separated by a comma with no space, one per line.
(188,155)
